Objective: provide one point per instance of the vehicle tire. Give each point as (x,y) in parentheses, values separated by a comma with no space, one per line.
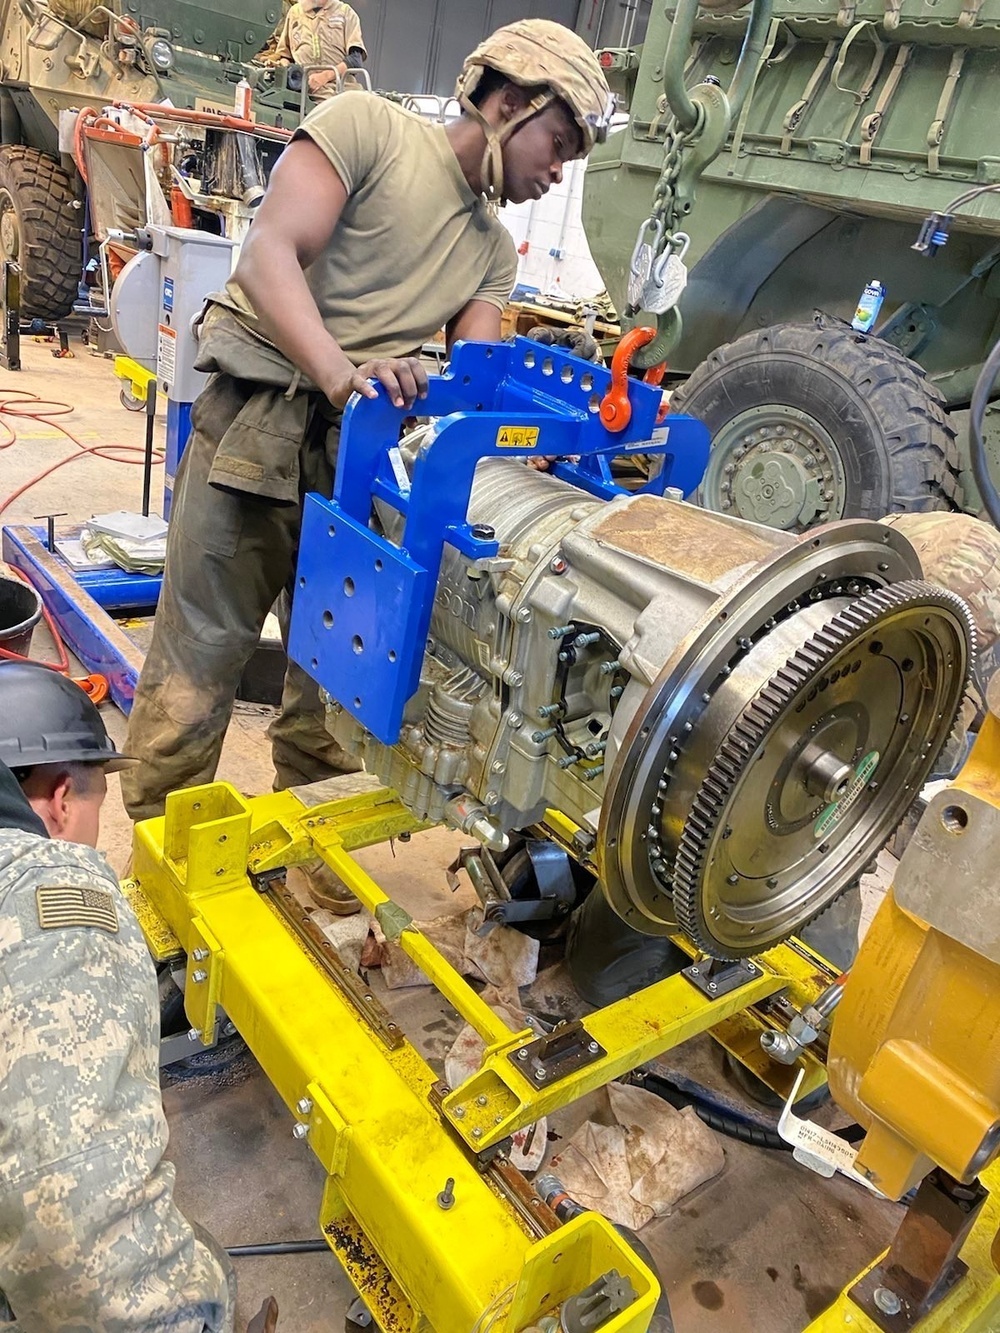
(816,422)
(40,229)
(608,960)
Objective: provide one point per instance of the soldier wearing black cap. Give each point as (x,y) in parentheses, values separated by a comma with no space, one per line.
(90,1237)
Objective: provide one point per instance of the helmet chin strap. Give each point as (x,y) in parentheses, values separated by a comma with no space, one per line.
(491,171)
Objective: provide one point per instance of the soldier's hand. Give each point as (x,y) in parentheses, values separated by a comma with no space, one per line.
(403,377)
(321,79)
(266,1318)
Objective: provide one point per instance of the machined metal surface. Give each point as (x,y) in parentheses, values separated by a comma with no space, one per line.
(738,715)
(942,877)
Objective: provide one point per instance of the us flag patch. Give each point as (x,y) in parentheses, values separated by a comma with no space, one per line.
(72,905)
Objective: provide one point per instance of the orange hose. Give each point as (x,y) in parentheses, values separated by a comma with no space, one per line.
(19,403)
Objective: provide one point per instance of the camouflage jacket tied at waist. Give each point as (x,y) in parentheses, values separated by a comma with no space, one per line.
(257,445)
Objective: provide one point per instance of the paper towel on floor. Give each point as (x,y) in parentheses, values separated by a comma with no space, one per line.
(504,958)
(641,1160)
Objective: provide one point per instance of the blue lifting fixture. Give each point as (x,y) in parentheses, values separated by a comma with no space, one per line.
(362,607)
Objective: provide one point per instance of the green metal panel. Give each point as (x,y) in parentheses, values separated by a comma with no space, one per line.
(799,212)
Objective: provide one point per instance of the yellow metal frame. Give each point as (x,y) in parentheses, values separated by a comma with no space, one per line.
(387,1134)
(972,1306)
(138,377)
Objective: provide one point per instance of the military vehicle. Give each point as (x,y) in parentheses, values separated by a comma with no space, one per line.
(800,148)
(74,54)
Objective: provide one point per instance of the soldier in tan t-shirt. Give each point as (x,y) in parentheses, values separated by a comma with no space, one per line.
(375,232)
(326,33)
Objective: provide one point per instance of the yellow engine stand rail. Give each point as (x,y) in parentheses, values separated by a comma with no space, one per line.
(387,1134)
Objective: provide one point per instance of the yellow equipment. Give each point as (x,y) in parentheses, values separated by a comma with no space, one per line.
(913,1050)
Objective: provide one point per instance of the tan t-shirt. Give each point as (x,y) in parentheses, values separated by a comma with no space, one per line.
(320,36)
(413,244)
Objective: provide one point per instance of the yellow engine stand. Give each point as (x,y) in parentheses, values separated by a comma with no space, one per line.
(208,883)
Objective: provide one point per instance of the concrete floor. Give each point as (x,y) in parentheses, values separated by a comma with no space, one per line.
(762,1248)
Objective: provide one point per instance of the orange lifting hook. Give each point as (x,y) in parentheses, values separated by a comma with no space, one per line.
(616,410)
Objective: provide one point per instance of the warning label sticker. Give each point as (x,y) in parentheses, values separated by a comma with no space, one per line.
(166,353)
(517,437)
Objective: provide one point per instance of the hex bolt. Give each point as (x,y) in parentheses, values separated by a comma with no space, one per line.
(299,1131)
(585,640)
(199,975)
(513,678)
(560,631)
(522,1054)
(558,565)
(540,1075)
(550,710)
(514,720)
(617,691)
(595,747)
(567,655)
(539,736)
(497,766)
(568,761)
(492,798)
(199,955)
(887,1300)
(446,1198)
(593,773)
(593,1047)
(304,1105)
(194,1034)
(609,668)
(523,615)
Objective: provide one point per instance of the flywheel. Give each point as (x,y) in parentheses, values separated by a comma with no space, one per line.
(805,756)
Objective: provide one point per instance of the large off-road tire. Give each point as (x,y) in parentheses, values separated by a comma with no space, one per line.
(40,228)
(815,422)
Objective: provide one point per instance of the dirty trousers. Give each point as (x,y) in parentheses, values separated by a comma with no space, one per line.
(230,557)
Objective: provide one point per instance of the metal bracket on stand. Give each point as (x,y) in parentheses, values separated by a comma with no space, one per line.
(716,978)
(497,400)
(10,312)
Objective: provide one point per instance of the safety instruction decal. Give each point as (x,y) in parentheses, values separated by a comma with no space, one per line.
(517,437)
(166,353)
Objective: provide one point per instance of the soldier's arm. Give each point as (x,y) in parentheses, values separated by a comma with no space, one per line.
(89,1233)
(287,236)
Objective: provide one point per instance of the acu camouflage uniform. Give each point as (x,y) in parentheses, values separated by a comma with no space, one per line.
(90,1239)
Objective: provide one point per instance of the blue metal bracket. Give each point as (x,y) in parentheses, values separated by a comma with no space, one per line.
(362,605)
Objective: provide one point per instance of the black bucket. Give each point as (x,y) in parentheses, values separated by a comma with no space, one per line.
(20,612)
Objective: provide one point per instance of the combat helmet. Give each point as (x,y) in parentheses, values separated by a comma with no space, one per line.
(537,53)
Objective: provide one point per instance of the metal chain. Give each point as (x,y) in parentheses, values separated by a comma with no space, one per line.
(665,194)
(658,231)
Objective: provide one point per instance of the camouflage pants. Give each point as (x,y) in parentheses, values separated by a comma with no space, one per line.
(230,557)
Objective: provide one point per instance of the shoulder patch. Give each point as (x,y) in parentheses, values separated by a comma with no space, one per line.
(73,905)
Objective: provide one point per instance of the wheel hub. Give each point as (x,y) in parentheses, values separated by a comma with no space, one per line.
(776,465)
(10,235)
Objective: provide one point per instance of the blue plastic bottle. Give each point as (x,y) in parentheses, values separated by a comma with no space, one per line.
(869,306)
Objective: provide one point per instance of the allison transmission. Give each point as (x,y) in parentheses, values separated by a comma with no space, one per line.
(735,717)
